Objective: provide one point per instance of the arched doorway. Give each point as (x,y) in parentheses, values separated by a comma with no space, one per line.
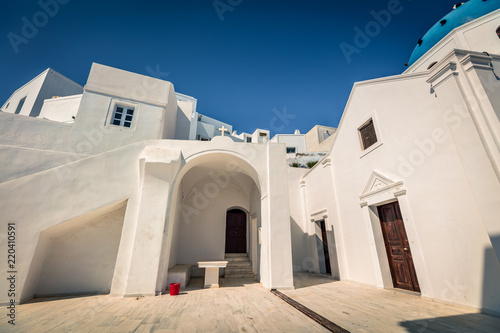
(236,231)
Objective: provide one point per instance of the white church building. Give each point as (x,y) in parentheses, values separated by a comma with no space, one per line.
(113,185)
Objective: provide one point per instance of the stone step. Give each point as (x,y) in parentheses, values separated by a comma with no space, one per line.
(243,270)
(237,259)
(239,276)
(239,264)
(235,255)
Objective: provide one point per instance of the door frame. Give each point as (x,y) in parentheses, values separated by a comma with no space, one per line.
(401,230)
(379,191)
(247,227)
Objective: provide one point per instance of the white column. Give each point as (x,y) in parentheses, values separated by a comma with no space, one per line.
(278,220)
(139,255)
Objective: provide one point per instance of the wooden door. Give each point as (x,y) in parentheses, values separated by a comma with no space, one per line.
(325,247)
(397,247)
(236,231)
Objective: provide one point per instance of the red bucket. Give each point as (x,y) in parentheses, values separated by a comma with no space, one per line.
(174,289)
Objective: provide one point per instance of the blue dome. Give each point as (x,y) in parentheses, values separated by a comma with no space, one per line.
(467,12)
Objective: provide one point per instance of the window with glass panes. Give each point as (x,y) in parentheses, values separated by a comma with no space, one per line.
(122,116)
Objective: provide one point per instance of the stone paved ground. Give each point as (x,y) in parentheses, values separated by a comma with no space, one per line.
(361,308)
(238,306)
(242,305)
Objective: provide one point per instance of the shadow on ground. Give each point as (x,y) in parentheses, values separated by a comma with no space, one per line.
(463,323)
(303,280)
(58,298)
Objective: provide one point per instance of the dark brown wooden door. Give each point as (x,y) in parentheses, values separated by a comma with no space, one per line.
(397,247)
(236,231)
(325,247)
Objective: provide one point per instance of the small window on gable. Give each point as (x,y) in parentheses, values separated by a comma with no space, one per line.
(290,150)
(122,116)
(20,105)
(263,134)
(7,105)
(368,135)
(498,32)
(432,65)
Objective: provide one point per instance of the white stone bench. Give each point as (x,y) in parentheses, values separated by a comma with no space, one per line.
(179,274)
(212,272)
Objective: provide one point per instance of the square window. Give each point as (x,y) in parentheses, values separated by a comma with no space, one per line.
(290,150)
(122,116)
(249,139)
(368,135)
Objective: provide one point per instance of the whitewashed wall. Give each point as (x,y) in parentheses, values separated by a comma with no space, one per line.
(42,87)
(428,140)
(202,237)
(81,256)
(30,90)
(61,109)
(297,141)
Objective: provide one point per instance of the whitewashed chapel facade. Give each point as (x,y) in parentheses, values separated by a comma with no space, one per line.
(409,194)
(109,186)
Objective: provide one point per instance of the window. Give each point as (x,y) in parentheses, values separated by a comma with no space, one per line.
(262,134)
(202,138)
(325,136)
(249,139)
(498,32)
(7,105)
(20,105)
(368,135)
(432,65)
(290,150)
(122,116)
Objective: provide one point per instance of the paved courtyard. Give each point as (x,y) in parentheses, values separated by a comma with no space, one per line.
(361,308)
(244,306)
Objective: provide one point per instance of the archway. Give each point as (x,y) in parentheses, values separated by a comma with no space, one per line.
(209,188)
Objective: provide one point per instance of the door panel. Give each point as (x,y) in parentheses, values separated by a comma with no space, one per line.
(236,228)
(397,247)
(325,247)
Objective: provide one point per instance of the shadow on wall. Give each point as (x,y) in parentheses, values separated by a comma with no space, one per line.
(80,255)
(307,251)
(488,321)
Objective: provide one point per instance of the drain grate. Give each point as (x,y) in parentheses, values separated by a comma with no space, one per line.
(310,313)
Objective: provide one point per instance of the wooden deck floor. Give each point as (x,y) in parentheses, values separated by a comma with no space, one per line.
(360,308)
(242,305)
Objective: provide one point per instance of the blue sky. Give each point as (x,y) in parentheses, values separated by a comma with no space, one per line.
(241,59)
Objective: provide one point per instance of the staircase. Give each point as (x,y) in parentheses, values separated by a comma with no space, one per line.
(238,266)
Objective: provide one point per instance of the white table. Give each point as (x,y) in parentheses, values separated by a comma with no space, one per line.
(211,272)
